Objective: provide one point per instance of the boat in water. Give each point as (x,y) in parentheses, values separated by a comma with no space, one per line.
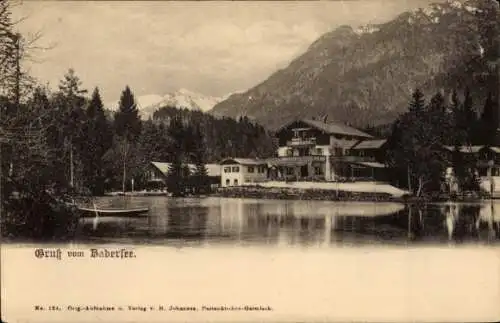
(108,212)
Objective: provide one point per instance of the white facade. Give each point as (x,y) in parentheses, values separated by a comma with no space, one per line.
(238,172)
(493,186)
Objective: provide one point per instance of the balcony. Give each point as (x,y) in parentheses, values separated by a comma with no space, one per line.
(486,163)
(352,159)
(296,160)
(301,142)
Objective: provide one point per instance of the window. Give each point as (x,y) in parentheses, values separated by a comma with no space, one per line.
(227,169)
(319,151)
(250,169)
(235,182)
(289,152)
(228,182)
(318,170)
(236,169)
(290,171)
(262,169)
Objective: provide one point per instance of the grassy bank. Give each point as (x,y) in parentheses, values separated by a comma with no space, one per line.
(302,194)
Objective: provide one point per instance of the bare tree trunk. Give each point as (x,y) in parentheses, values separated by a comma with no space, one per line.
(17,88)
(420,186)
(125,150)
(71,166)
(409,222)
(124,176)
(409,178)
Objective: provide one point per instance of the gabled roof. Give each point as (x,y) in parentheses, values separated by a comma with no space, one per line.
(162,167)
(340,143)
(370,144)
(243,161)
(331,128)
(371,164)
(212,169)
(495,149)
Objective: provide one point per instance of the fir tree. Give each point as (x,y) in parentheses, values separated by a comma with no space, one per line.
(177,175)
(127,126)
(127,120)
(70,86)
(200,175)
(73,100)
(489,122)
(417,103)
(415,144)
(469,117)
(99,139)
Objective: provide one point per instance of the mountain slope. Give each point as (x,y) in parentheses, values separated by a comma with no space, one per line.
(365,76)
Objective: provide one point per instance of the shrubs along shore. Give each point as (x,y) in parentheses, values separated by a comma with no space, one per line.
(259,192)
(303,194)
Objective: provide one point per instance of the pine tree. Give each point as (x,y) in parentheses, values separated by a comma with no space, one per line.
(127,126)
(73,100)
(415,143)
(440,121)
(459,122)
(200,176)
(469,116)
(70,86)
(99,139)
(459,137)
(177,175)
(127,120)
(417,103)
(489,122)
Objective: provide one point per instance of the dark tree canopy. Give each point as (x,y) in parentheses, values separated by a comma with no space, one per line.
(127,120)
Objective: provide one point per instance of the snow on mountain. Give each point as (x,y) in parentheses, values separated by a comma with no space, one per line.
(142,101)
(366,29)
(183,98)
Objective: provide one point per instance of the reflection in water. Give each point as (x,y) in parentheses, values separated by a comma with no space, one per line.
(307,223)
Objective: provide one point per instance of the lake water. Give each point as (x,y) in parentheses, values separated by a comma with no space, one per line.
(308,260)
(214,220)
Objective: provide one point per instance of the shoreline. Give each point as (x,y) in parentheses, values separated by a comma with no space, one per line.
(332,195)
(301,194)
(275,193)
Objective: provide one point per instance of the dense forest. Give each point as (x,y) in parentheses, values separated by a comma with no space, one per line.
(101,150)
(417,138)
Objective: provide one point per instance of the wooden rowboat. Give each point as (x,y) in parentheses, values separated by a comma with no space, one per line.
(132,212)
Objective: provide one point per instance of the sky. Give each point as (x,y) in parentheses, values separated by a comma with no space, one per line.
(213,48)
